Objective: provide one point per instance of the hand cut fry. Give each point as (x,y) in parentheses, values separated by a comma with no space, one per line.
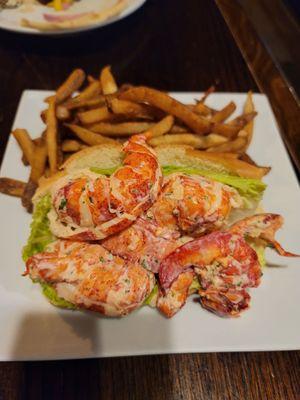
(243,119)
(249,109)
(26,144)
(232,128)
(37,170)
(62,113)
(206,94)
(95,115)
(91,79)
(178,129)
(39,162)
(87,136)
(12,187)
(202,109)
(234,146)
(169,105)
(108,82)
(161,127)
(125,86)
(198,142)
(224,113)
(28,194)
(245,157)
(51,136)
(90,92)
(71,84)
(121,129)
(90,103)
(229,131)
(70,146)
(130,109)
(227,155)
(237,167)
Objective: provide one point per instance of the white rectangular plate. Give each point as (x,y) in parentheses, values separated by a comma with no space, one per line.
(32,329)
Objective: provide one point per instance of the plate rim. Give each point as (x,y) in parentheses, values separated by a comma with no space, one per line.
(183,349)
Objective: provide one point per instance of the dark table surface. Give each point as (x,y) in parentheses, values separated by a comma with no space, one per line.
(172,45)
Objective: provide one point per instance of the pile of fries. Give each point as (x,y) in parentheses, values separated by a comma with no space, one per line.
(103,112)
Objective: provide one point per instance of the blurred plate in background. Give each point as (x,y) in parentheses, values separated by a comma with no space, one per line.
(75,19)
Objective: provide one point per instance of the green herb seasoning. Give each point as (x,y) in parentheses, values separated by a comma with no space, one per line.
(63,204)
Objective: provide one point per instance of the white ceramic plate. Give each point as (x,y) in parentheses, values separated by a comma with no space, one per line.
(10,19)
(32,329)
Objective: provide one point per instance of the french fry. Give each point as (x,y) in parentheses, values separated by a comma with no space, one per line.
(242,120)
(91,79)
(232,128)
(90,92)
(130,109)
(248,109)
(39,162)
(234,165)
(234,146)
(95,115)
(48,98)
(121,129)
(37,171)
(206,94)
(43,115)
(71,146)
(229,131)
(169,105)
(89,103)
(108,82)
(51,136)
(87,136)
(62,113)
(125,86)
(245,157)
(12,187)
(28,194)
(178,129)
(224,113)
(71,84)
(24,160)
(198,142)
(25,143)
(202,109)
(161,127)
(228,155)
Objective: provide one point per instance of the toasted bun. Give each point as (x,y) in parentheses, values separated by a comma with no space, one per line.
(108,155)
(216,162)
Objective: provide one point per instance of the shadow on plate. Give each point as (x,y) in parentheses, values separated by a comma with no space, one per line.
(64,334)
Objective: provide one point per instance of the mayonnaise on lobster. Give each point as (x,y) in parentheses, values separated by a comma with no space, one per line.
(193,204)
(89,206)
(90,277)
(225,264)
(113,243)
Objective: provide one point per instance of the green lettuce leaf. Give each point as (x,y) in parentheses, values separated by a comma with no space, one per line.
(260,251)
(195,285)
(103,171)
(248,188)
(149,301)
(51,294)
(40,234)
